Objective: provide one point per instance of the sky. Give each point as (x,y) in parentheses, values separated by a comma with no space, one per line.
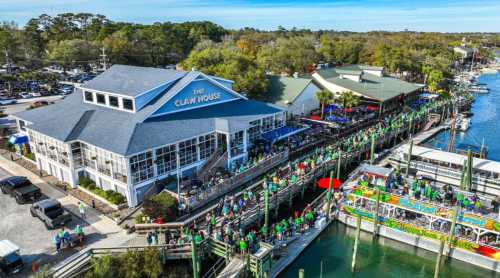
(342,15)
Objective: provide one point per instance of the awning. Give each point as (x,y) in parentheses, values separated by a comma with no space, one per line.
(282,132)
(372,108)
(18,139)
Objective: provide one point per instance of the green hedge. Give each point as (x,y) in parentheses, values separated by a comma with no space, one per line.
(110,195)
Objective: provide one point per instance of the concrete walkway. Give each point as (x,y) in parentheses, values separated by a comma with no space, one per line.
(94,218)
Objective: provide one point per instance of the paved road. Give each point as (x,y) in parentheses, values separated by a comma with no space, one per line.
(29,233)
(23,104)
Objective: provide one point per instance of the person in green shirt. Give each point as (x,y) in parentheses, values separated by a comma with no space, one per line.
(198,238)
(243,246)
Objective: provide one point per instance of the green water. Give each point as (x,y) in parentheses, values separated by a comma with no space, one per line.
(381,258)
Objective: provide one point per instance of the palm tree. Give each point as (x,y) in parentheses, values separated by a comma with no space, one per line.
(324,97)
(348,100)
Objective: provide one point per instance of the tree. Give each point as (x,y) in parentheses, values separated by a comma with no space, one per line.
(435,79)
(70,52)
(227,61)
(289,55)
(324,97)
(348,100)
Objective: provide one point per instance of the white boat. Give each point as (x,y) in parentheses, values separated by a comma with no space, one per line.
(464,124)
(478,90)
(489,71)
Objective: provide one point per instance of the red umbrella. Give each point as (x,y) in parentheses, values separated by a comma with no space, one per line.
(314,117)
(348,110)
(325,183)
(372,108)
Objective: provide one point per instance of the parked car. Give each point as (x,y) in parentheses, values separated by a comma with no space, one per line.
(10,259)
(24,95)
(7,101)
(35,94)
(51,213)
(21,189)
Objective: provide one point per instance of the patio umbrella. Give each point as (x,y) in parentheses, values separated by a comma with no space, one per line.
(314,117)
(372,108)
(325,183)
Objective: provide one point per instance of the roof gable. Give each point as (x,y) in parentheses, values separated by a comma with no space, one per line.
(284,90)
(194,91)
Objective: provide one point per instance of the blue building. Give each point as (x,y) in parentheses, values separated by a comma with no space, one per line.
(131,126)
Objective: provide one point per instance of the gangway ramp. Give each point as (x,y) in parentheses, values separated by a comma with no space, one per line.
(234,269)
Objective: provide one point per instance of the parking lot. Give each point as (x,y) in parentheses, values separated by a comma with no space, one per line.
(29,233)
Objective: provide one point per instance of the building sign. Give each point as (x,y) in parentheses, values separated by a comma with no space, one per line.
(199,96)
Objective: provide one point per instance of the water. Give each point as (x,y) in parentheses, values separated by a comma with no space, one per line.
(485,121)
(381,258)
(388,258)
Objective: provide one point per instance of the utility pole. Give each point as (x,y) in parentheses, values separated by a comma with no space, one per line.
(104,59)
(408,163)
(7,61)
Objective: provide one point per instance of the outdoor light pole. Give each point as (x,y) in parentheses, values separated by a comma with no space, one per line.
(329,194)
(372,150)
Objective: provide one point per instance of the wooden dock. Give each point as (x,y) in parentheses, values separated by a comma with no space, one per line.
(295,248)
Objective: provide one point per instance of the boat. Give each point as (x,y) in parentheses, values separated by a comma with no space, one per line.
(464,124)
(489,71)
(478,90)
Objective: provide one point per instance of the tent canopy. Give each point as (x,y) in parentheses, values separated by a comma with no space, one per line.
(282,132)
(18,139)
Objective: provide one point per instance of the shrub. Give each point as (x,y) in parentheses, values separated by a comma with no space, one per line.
(110,195)
(161,205)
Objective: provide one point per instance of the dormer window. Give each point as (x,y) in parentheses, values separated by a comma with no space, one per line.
(89,96)
(113,101)
(128,104)
(101,99)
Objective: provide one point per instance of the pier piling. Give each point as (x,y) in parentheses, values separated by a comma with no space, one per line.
(377,207)
(356,241)
(408,163)
(301,273)
(437,269)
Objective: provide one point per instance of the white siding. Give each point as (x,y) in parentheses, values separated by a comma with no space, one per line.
(305,102)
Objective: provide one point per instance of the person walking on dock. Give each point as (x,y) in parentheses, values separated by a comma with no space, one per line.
(81,209)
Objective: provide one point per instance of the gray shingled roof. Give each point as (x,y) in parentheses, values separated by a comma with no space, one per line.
(132,81)
(128,133)
(283,90)
(372,86)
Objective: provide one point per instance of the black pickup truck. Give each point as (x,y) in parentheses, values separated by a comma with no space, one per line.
(21,189)
(51,213)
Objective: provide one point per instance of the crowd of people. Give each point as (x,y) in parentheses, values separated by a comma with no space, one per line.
(223,223)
